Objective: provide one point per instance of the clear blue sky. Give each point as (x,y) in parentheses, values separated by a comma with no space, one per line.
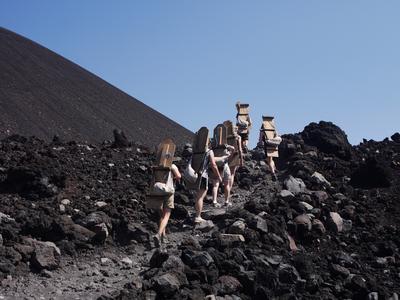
(300,61)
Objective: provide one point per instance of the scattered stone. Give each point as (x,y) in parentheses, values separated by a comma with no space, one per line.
(286,194)
(274,260)
(101,203)
(5,218)
(104,261)
(46,273)
(347,225)
(288,274)
(307,206)
(320,196)
(303,223)
(227,285)
(65,202)
(318,226)
(373,296)
(260,224)
(229,240)
(335,222)
(158,258)
(167,284)
(204,226)
(237,227)
(338,270)
(127,262)
(295,185)
(292,243)
(45,256)
(214,214)
(197,259)
(320,179)
(394,296)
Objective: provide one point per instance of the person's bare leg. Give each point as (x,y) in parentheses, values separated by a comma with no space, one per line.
(227,190)
(199,202)
(271,164)
(232,178)
(215,191)
(164,221)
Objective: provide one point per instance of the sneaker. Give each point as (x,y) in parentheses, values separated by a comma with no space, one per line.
(157,240)
(199,220)
(228,204)
(216,204)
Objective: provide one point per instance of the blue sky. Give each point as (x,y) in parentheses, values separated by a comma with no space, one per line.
(300,61)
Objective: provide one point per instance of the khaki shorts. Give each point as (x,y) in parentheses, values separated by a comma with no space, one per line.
(160,202)
(225,173)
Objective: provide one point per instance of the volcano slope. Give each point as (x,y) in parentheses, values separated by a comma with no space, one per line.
(73,224)
(44,94)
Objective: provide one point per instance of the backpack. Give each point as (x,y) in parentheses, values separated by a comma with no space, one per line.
(162,189)
(242,124)
(189,175)
(274,142)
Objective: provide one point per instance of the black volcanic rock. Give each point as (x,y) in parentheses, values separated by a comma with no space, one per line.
(328,138)
(371,174)
(44,94)
(396,137)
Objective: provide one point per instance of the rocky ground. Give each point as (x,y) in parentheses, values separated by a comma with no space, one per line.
(73,224)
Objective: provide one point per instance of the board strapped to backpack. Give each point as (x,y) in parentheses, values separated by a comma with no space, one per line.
(219,140)
(161,172)
(233,140)
(200,147)
(243,118)
(269,132)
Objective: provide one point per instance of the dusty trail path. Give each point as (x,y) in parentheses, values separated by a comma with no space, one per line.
(103,272)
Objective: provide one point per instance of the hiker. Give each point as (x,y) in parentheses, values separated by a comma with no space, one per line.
(243,122)
(270,140)
(167,206)
(238,152)
(208,164)
(223,168)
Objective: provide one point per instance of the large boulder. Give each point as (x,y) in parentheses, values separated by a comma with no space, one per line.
(328,138)
(46,255)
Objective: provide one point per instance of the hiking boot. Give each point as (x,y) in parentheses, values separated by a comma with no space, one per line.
(157,240)
(199,220)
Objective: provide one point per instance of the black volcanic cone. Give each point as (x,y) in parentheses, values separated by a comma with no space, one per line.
(43,94)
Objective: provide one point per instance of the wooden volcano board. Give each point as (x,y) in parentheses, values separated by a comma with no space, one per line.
(165,153)
(268,127)
(220,140)
(243,114)
(200,144)
(161,171)
(229,129)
